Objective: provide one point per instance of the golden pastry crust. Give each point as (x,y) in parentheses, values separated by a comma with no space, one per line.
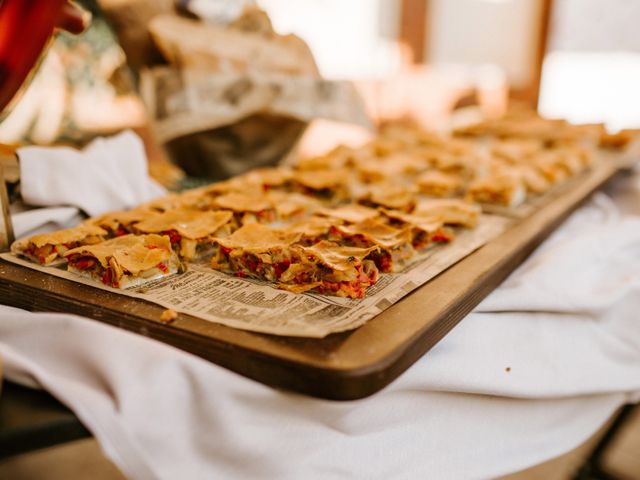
(49,248)
(125,261)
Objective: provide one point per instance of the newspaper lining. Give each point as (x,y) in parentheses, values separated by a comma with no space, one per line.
(258,306)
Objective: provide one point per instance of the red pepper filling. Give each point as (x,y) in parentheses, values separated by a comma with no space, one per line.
(107,278)
(84,263)
(163,268)
(441,237)
(252,263)
(266,216)
(174,236)
(121,231)
(382,260)
(280,267)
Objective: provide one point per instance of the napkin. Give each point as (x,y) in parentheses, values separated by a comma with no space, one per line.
(530,374)
(42,220)
(109,174)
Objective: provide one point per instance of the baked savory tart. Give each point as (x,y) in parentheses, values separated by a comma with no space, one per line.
(425,230)
(439,184)
(120,222)
(330,223)
(49,248)
(331,269)
(190,232)
(506,189)
(265,253)
(126,261)
(393,245)
(451,211)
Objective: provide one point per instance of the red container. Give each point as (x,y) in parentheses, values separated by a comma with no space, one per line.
(25,28)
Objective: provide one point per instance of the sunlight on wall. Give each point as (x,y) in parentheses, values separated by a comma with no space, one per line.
(349,39)
(592,87)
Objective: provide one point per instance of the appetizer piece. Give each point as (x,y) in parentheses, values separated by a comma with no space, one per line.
(313,229)
(438,184)
(620,140)
(549,164)
(247,208)
(352,213)
(394,245)
(462,166)
(516,151)
(425,231)
(574,158)
(49,248)
(505,189)
(292,206)
(267,179)
(329,185)
(338,158)
(257,251)
(385,145)
(388,195)
(190,232)
(265,253)
(533,179)
(392,166)
(120,222)
(194,198)
(126,261)
(330,269)
(450,211)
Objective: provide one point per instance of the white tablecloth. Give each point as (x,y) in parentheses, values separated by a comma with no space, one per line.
(530,374)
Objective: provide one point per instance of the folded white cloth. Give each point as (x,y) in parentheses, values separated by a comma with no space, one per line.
(41,220)
(527,376)
(109,174)
(160,413)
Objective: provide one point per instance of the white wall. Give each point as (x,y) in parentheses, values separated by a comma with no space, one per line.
(349,38)
(501,32)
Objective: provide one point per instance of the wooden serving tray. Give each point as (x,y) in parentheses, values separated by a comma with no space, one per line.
(342,366)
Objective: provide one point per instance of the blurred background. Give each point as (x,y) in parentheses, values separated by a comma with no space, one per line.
(220,86)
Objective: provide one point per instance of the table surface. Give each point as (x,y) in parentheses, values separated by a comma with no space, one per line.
(33,419)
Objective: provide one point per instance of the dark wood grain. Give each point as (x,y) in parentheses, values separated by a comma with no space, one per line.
(343,366)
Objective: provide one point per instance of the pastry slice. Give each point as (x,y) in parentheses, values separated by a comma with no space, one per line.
(290,206)
(126,261)
(328,185)
(255,250)
(190,232)
(352,213)
(426,231)
(450,211)
(247,208)
(533,179)
(313,229)
(392,166)
(265,253)
(394,245)
(49,248)
(120,222)
(330,269)
(439,184)
(504,189)
(388,195)
(268,179)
